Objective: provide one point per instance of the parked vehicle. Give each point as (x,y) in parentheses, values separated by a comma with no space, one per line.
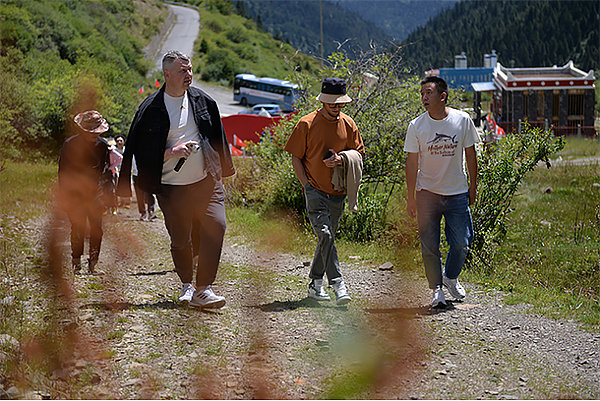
(272,109)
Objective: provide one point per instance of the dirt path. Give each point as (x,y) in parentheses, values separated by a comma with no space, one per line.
(130,338)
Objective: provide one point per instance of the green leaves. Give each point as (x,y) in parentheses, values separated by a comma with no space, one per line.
(502,168)
(60,56)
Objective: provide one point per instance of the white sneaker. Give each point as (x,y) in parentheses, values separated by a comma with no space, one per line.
(454,288)
(438,298)
(341,292)
(206,298)
(187,292)
(316,290)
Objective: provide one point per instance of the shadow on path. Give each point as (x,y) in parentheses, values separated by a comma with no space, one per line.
(409,313)
(160,273)
(282,306)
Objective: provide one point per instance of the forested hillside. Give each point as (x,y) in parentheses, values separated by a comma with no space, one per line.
(398,18)
(60,56)
(299,23)
(527,33)
(230,44)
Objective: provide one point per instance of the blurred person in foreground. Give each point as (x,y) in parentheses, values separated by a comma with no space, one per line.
(438,142)
(84,163)
(181,154)
(316,144)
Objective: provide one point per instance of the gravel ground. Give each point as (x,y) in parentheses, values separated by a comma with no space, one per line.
(127,337)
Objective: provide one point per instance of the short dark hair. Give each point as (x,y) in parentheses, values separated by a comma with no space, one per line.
(440,84)
(120,136)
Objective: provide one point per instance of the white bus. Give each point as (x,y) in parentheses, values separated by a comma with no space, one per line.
(250,90)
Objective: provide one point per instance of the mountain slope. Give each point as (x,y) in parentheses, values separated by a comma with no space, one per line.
(299,23)
(398,18)
(527,33)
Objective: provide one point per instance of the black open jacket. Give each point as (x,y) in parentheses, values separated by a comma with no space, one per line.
(147,140)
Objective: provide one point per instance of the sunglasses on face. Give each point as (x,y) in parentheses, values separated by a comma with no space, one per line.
(336,105)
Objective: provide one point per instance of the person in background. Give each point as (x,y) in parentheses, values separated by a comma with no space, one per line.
(182,153)
(83,160)
(120,148)
(438,142)
(146,202)
(110,178)
(315,144)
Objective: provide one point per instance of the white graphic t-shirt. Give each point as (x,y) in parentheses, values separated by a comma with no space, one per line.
(440,145)
(183,129)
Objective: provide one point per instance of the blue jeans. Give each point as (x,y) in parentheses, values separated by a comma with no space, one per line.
(324,212)
(459,233)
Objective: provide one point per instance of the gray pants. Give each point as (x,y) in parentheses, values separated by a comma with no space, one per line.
(324,213)
(201,206)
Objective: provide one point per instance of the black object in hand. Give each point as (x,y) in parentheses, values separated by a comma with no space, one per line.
(179,165)
(328,155)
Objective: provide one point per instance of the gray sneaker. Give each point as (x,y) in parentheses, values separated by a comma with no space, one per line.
(316,290)
(454,288)
(206,298)
(341,292)
(187,292)
(438,301)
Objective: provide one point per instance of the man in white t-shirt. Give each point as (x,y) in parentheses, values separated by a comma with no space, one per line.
(182,153)
(436,142)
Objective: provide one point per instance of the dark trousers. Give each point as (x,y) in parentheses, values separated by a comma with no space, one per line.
(201,203)
(79,214)
(145,200)
(324,213)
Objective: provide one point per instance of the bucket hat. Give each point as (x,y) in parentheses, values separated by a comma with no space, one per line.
(91,121)
(333,90)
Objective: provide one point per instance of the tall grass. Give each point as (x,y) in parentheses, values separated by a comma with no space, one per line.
(550,257)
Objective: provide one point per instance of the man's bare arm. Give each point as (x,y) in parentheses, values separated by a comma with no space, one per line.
(471,157)
(412,166)
(299,170)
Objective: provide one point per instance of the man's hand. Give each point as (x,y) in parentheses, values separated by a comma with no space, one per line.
(334,160)
(411,207)
(180,150)
(299,170)
(472,195)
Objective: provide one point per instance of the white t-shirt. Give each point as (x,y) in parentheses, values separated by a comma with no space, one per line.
(183,129)
(440,145)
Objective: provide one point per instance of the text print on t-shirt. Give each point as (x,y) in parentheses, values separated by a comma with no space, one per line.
(442,145)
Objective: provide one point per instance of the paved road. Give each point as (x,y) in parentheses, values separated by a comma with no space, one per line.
(181,37)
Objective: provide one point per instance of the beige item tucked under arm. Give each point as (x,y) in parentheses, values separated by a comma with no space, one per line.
(346,178)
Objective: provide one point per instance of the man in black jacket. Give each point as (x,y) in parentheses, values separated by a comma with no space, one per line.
(182,153)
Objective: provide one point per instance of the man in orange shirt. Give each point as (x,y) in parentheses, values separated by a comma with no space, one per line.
(314,145)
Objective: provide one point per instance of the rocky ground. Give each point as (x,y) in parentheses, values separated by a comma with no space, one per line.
(125,336)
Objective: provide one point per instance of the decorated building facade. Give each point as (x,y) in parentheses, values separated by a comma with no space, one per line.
(563,97)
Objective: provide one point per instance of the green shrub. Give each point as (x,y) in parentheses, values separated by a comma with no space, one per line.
(220,65)
(502,168)
(368,222)
(53,54)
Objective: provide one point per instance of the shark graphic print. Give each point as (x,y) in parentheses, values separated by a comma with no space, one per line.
(442,145)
